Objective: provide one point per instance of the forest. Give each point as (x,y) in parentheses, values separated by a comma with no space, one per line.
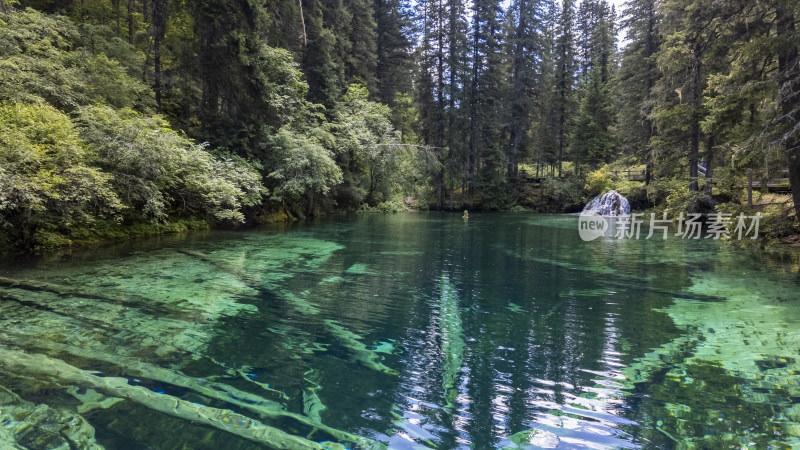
(121,119)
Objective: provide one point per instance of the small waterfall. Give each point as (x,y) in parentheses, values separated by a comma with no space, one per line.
(612,203)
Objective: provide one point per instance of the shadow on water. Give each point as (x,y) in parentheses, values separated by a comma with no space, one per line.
(406,331)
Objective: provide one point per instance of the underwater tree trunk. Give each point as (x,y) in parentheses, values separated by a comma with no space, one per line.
(222,419)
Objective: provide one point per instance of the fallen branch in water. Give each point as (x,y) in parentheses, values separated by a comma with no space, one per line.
(217,391)
(221,419)
(349,339)
(44,426)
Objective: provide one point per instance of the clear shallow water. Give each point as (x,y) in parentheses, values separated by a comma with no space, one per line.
(406,331)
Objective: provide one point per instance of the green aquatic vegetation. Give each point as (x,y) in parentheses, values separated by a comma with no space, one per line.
(332,279)
(245,374)
(14,361)
(172,316)
(750,336)
(400,253)
(94,349)
(515,308)
(616,360)
(312,405)
(162,331)
(673,352)
(562,263)
(136,368)
(359,269)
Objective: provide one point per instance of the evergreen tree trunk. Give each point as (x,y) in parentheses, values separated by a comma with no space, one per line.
(566,66)
(131,6)
(456,48)
(440,103)
(789,74)
(650,50)
(518,111)
(159,29)
(115,7)
(210,103)
(473,112)
(710,164)
(694,127)
(310,202)
(562,124)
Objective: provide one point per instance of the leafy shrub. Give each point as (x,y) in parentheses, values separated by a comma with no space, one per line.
(45,180)
(43,59)
(304,169)
(680,200)
(776,221)
(660,189)
(562,194)
(157,170)
(48,240)
(598,181)
(391,206)
(365,146)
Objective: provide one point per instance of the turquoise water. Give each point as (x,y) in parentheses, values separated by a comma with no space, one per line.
(406,331)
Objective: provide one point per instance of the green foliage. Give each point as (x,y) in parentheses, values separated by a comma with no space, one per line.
(598,181)
(405,119)
(47,59)
(528,83)
(56,178)
(658,190)
(366,149)
(776,221)
(114,230)
(304,168)
(592,140)
(680,199)
(45,180)
(393,206)
(416,168)
(249,89)
(158,171)
(562,194)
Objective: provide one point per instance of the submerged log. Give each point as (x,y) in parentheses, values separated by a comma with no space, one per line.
(59,289)
(218,391)
(221,419)
(364,355)
(65,291)
(28,425)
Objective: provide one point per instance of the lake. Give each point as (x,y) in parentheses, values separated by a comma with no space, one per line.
(401,331)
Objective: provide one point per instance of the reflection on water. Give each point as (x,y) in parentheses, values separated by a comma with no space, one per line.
(401,331)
